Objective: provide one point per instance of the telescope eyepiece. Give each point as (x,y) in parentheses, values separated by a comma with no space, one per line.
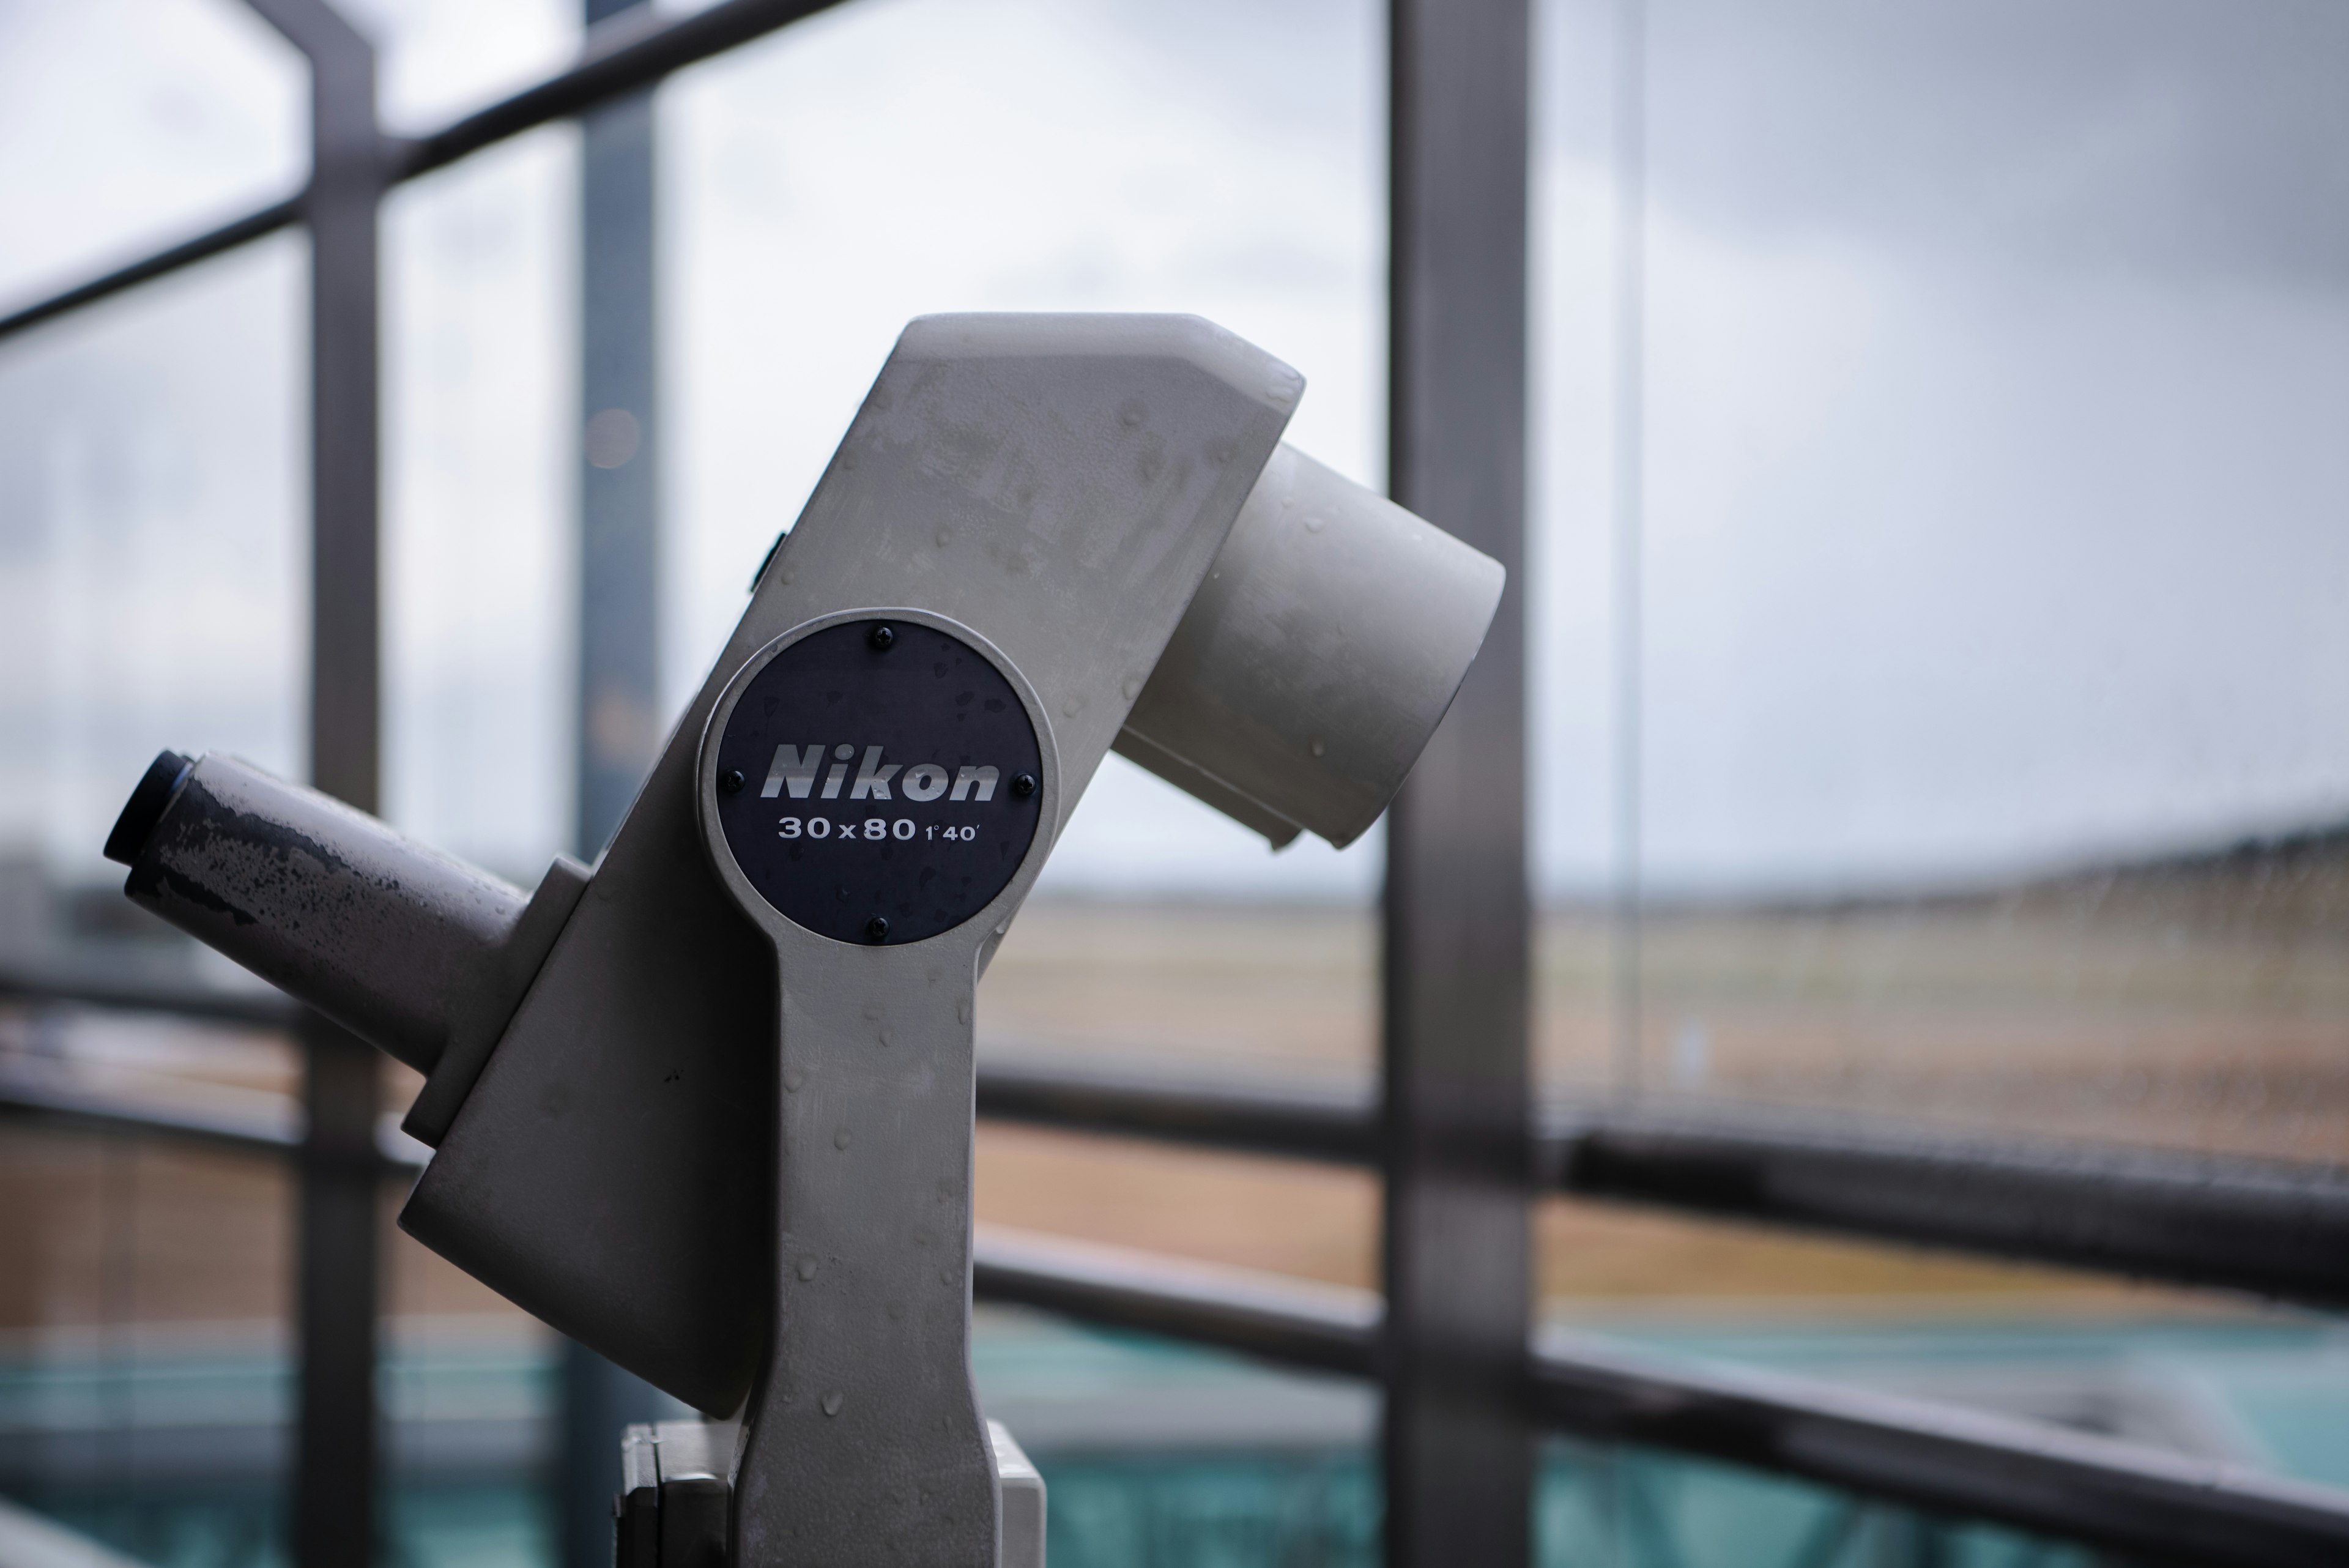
(146,806)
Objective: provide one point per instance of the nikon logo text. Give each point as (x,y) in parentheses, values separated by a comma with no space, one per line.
(795,768)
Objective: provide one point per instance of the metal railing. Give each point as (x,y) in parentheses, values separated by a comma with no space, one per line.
(1452,1132)
(2121,1496)
(2273,1230)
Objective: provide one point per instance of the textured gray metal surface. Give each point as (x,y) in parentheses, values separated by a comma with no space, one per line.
(1456,1443)
(1317,658)
(1059,483)
(866,1445)
(412,951)
(1049,491)
(636,1511)
(1023,1501)
(693,1459)
(504,974)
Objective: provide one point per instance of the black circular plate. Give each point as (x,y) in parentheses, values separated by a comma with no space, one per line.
(879,782)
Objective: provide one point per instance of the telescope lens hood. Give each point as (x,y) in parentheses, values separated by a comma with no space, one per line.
(146,807)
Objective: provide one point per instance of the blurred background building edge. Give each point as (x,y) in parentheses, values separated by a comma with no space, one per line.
(2188,999)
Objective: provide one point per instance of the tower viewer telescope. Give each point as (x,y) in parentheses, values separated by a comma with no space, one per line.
(707,1106)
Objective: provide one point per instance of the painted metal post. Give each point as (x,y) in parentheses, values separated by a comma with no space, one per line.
(618,712)
(334,1514)
(335,1456)
(619,715)
(1457,1443)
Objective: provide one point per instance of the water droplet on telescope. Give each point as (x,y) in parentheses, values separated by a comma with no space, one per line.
(833,1402)
(840,1138)
(807,1268)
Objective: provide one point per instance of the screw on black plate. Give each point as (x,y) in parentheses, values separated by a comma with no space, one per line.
(731,781)
(876,930)
(882,638)
(1023,784)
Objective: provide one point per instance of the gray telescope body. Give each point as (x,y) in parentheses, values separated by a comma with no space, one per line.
(708,1108)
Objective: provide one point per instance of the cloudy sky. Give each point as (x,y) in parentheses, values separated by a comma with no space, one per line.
(1996,492)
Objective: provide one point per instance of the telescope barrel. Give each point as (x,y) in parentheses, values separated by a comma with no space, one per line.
(396,942)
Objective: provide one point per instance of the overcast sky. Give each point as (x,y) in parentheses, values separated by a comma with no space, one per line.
(1998,378)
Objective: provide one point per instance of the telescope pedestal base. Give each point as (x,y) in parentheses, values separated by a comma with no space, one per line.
(674,1500)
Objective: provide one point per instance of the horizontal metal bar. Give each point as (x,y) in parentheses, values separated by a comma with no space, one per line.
(93,988)
(619,58)
(243,231)
(2144,1502)
(26,1092)
(46,1092)
(616,60)
(1329,1329)
(2151,1504)
(1287,1123)
(2117,1495)
(2274,1229)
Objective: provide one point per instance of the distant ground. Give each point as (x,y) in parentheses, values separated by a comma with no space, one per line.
(2202,1004)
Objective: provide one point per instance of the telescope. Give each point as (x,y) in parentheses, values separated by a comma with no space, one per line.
(707,1106)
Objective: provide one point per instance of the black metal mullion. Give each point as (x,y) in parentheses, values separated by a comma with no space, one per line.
(336,1260)
(337,1294)
(1457,1444)
(618,714)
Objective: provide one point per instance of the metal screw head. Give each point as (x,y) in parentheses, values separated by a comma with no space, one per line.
(1023,784)
(731,781)
(877,929)
(882,638)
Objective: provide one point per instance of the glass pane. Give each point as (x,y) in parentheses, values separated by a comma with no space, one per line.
(439,60)
(134,124)
(479,333)
(153,555)
(1940,685)
(1981,697)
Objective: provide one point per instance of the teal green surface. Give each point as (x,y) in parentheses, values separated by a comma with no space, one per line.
(1121,1497)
